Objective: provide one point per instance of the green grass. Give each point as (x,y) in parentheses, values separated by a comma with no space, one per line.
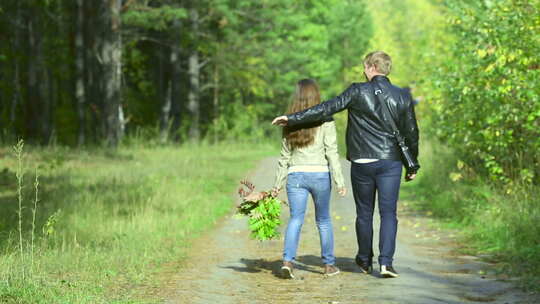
(501,222)
(106,221)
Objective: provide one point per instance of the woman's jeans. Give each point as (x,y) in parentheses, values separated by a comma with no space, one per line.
(299,185)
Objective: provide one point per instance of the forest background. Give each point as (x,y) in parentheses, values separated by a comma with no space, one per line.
(126,106)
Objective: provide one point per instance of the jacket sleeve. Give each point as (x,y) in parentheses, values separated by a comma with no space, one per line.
(323,110)
(410,127)
(331,153)
(283,165)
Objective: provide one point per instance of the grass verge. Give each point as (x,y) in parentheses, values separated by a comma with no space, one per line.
(501,223)
(106,220)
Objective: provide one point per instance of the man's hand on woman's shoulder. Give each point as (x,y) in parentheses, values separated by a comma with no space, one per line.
(280,120)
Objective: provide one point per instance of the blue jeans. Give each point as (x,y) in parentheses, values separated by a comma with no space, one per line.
(382,177)
(299,186)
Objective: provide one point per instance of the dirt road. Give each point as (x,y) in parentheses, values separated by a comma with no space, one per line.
(225,266)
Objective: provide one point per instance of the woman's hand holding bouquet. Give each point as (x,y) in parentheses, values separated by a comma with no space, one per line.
(263,209)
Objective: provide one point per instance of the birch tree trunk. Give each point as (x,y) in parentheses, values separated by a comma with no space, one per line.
(165,115)
(3,123)
(80,92)
(111,55)
(216,101)
(194,76)
(32,105)
(164,94)
(176,73)
(15,100)
(46,110)
(93,86)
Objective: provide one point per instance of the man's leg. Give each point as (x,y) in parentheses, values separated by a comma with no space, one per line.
(388,180)
(363,185)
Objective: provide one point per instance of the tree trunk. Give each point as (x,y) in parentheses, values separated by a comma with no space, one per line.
(3,125)
(164,94)
(216,101)
(38,112)
(16,97)
(194,74)
(176,73)
(55,96)
(122,121)
(111,55)
(46,105)
(80,94)
(32,117)
(15,100)
(165,114)
(93,92)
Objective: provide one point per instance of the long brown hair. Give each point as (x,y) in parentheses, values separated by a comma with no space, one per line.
(306,95)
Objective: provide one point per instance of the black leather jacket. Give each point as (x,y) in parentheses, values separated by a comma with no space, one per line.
(367,134)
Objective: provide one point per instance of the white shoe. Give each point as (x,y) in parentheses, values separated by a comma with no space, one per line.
(287,270)
(388,272)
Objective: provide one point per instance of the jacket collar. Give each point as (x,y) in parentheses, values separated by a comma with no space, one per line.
(379,78)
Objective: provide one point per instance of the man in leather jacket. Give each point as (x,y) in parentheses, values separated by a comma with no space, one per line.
(374,153)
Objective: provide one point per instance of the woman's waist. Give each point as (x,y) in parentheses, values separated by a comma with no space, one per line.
(308,168)
(308,158)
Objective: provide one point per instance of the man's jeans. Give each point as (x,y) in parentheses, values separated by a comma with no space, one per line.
(382,177)
(299,185)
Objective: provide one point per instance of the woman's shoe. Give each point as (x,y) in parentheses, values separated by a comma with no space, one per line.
(330,270)
(287,270)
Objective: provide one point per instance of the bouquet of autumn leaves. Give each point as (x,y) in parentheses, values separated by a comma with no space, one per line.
(263,209)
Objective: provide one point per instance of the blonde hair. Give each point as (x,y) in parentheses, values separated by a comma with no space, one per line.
(306,95)
(380,60)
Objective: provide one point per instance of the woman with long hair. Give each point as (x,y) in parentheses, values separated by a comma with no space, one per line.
(309,159)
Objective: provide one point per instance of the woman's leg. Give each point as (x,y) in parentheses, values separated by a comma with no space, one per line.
(297,195)
(321,188)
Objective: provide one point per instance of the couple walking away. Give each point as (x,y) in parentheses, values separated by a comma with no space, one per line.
(382,135)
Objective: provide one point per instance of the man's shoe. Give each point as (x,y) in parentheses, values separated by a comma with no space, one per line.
(287,270)
(330,270)
(388,272)
(364,267)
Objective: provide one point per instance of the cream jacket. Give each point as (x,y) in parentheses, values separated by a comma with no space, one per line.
(322,152)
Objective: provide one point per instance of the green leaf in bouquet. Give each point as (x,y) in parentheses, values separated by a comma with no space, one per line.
(263,214)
